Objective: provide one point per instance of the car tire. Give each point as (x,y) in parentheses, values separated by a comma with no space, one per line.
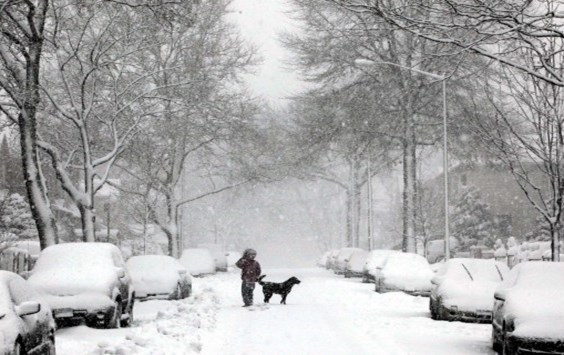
(433,309)
(496,345)
(178,294)
(51,348)
(127,322)
(18,348)
(115,320)
(505,345)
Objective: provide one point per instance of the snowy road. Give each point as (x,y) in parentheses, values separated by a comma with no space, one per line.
(326,314)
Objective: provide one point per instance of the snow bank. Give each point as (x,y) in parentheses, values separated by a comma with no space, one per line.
(160,327)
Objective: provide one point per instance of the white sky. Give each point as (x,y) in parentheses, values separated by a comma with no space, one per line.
(260,22)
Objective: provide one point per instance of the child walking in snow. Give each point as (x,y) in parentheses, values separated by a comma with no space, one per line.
(250,271)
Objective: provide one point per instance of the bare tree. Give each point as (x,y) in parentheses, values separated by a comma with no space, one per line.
(498,30)
(525,133)
(333,53)
(21,47)
(198,123)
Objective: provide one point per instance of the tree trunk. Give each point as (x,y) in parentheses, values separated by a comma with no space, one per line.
(555,241)
(40,206)
(349,218)
(88,219)
(357,204)
(37,196)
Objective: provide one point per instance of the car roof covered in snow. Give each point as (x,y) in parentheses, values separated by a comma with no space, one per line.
(70,268)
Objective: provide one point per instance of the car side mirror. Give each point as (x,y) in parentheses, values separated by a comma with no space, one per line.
(182,271)
(27,308)
(120,272)
(500,295)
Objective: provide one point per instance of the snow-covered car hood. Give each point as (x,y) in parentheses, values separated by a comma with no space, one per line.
(468,296)
(536,313)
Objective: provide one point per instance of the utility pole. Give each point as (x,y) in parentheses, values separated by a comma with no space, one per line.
(370,225)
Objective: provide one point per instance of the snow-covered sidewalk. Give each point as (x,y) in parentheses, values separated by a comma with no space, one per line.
(325,314)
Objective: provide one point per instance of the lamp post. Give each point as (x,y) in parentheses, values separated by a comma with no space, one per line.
(370,225)
(367,62)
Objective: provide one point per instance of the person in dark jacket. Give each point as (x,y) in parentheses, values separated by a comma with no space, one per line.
(250,271)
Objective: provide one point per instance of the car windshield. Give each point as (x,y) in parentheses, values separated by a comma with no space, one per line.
(487,271)
(400,260)
(541,275)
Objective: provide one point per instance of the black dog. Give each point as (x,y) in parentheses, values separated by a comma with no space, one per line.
(283,288)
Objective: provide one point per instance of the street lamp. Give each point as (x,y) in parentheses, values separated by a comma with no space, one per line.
(367,62)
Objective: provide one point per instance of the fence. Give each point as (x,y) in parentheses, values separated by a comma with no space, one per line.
(16,260)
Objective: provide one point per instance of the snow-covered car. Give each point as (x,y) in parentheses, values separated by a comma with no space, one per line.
(85,281)
(342,258)
(26,323)
(198,261)
(332,259)
(159,276)
(322,261)
(406,272)
(528,312)
(354,267)
(375,259)
(218,254)
(463,289)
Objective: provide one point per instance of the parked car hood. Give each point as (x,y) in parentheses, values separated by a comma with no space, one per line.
(468,296)
(537,313)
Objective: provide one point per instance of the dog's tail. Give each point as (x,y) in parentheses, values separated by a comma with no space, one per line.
(260,282)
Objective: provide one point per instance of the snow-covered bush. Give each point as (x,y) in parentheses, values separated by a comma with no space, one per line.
(15,217)
(472,221)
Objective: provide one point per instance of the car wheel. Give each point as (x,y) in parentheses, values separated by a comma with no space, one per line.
(496,344)
(51,349)
(115,321)
(178,294)
(127,322)
(18,348)
(505,345)
(433,309)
